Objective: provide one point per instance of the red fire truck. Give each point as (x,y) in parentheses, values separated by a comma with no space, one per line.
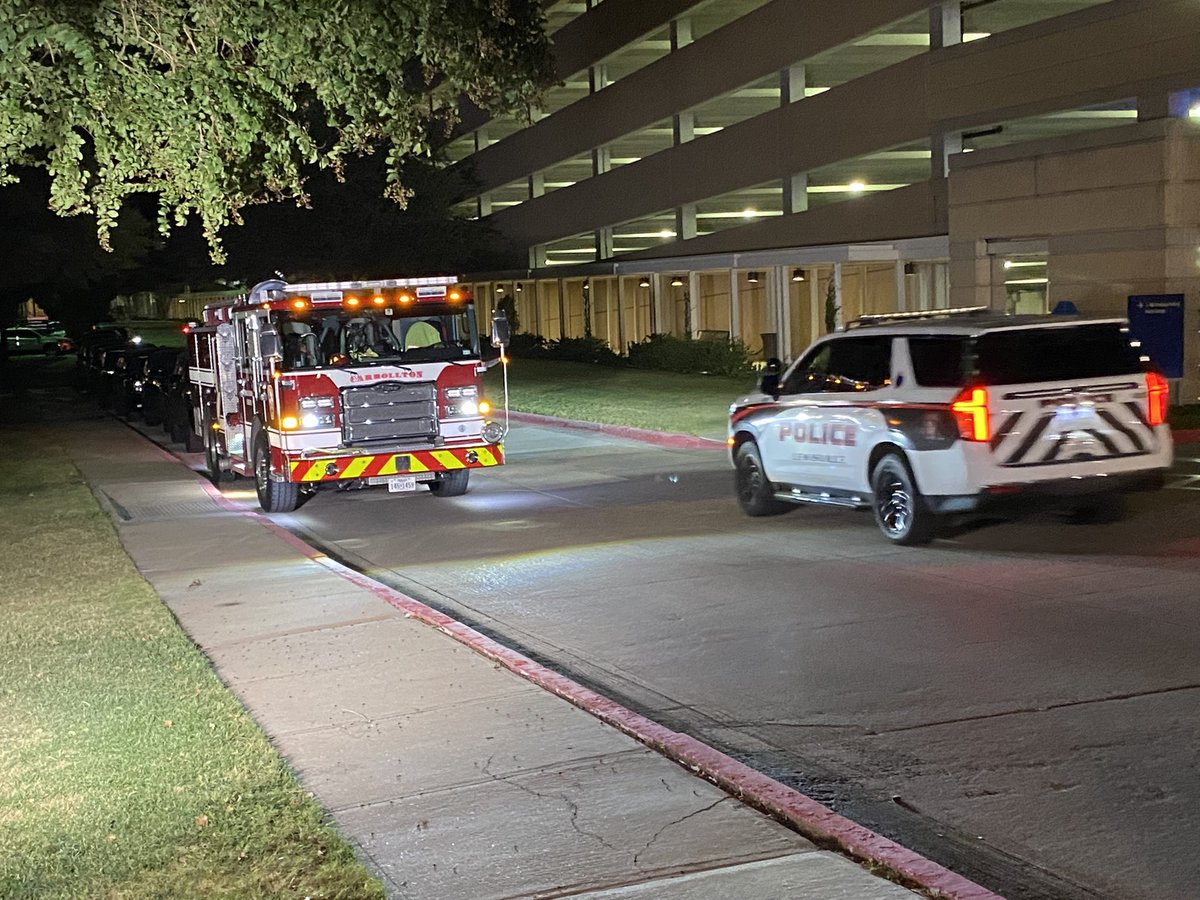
(345,385)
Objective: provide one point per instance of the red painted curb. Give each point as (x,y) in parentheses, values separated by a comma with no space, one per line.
(647,435)
(816,822)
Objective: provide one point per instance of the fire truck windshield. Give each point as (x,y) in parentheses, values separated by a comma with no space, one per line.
(315,338)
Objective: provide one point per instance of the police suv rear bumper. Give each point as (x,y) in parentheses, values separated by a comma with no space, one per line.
(1046,494)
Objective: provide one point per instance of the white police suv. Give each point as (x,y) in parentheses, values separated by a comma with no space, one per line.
(925,417)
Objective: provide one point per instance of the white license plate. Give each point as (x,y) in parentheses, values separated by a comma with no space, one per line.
(397,483)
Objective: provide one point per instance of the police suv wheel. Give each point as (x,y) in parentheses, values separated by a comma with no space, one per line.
(273,496)
(900,511)
(753,489)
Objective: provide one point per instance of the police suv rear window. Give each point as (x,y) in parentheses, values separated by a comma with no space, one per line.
(1028,355)
(937,359)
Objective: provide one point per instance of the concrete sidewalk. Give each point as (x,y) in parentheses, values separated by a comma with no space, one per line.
(454,765)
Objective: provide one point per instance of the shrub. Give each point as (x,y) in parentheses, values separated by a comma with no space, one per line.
(666,352)
(585,350)
(527,346)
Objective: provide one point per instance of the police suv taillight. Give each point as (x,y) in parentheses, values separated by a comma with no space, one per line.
(970,410)
(1157,397)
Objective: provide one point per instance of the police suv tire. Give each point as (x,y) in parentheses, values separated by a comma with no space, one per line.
(273,496)
(754,491)
(451,484)
(900,511)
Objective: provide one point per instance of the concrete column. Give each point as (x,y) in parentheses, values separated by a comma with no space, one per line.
(683,127)
(597,78)
(622,327)
(735,307)
(681,33)
(782,290)
(941,148)
(537,185)
(998,294)
(795,193)
(901,287)
(792,82)
(693,299)
(604,243)
(537,256)
(481,138)
(485,205)
(601,160)
(685,222)
(839,320)
(945,24)
(816,314)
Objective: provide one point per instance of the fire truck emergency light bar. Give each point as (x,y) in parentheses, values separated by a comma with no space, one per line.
(315,287)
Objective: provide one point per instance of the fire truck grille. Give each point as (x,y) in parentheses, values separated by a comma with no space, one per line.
(389,411)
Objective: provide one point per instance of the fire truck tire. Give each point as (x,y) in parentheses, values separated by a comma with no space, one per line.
(900,511)
(451,484)
(273,496)
(753,489)
(212,459)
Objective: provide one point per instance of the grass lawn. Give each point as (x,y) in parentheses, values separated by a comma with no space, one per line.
(664,401)
(127,770)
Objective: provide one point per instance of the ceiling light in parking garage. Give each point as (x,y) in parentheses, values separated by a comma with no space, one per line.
(677,281)
(857,186)
(752,277)
(749,212)
(499,289)
(797,274)
(519,287)
(666,234)
(644,283)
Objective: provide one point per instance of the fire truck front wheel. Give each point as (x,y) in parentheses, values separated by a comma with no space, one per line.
(273,496)
(217,473)
(451,484)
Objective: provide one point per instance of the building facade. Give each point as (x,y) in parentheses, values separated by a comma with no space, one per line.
(766,169)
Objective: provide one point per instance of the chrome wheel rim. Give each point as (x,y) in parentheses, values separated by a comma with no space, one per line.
(750,479)
(895,507)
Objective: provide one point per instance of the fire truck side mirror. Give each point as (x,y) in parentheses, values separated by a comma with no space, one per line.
(501,332)
(268,342)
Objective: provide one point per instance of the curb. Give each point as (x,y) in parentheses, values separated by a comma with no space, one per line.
(646,435)
(805,815)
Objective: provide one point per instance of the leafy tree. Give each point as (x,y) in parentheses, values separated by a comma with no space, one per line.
(215,105)
(831,307)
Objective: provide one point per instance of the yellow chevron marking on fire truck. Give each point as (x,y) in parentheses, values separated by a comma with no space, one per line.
(416,465)
(355,469)
(486,456)
(447,459)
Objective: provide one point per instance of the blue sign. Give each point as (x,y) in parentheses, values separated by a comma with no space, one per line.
(1157,321)
(1064,308)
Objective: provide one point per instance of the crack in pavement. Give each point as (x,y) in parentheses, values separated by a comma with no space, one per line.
(1066,704)
(657,834)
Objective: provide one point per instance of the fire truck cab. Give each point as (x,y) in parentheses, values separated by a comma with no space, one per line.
(304,387)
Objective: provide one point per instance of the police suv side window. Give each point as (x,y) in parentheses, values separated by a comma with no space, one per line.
(845,364)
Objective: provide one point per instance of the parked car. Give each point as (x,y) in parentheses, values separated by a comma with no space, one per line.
(160,369)
(179,421)
(88,352)
(128,379)
(21,339)
(932,417)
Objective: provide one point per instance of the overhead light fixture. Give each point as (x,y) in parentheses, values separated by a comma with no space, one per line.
(797,274)
(587,285)
(499,289)
(857,186)
(666,234)
(519,288)
(752,277)
(677,281)
(749,212)
(644,283)
(910,268)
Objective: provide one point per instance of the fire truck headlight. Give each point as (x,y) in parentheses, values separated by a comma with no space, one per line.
(493,432)
(309,420)
(468,408)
